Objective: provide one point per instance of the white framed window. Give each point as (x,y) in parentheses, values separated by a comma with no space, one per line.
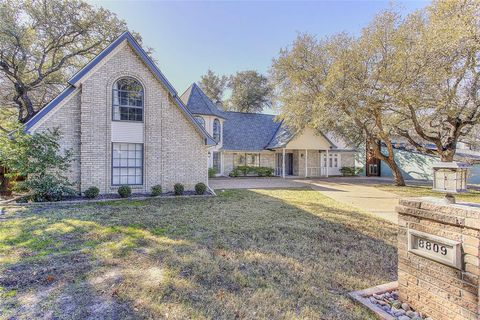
(246,159)
(216,161)
(216,130)
(127,164)
(127,100)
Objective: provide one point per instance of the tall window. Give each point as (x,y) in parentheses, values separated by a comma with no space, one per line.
(200,120)
(127,163)
(216,130)
(246,159)
(216,162)
(127,100)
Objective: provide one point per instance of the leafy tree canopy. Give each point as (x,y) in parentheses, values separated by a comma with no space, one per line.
(213,85)
(43,42)
(251,92)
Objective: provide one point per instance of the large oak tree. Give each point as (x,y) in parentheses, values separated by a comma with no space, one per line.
(42,43)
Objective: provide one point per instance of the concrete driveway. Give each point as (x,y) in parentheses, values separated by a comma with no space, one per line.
(357,191)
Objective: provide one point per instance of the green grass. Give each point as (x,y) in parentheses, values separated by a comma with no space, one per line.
(426,191)
(248,254)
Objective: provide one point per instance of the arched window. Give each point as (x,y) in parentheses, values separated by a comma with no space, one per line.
(127,100)
(216,130)
(200,120)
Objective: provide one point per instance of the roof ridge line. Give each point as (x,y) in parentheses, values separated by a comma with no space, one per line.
(262,114)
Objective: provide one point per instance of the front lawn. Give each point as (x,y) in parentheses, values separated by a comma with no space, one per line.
(426,191)
(244,254)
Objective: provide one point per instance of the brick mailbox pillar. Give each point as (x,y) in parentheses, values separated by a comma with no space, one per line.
(438,257)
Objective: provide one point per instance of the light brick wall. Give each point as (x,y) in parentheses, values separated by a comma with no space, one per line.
(174,151)
(435,289)
(267,159)
(67,119)
(348,159)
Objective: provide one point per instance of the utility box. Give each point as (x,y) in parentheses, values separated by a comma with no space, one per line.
(450,177)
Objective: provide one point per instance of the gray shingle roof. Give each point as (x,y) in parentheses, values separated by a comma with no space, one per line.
(281,138)
(248,131)
(198,103)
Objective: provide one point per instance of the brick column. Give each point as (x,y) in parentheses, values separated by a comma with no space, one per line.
(437,289)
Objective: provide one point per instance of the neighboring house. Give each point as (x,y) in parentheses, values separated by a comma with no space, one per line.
(125,125)
(415,165)
(252,139)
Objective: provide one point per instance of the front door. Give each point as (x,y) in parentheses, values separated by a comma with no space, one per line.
(288,164)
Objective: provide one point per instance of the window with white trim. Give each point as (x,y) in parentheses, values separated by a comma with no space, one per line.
(216,161)
(216,130)
(127,163)
(127,101)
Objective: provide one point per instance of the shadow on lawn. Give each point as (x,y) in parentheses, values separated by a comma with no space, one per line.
(289,253)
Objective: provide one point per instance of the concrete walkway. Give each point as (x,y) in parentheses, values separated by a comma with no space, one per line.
(367,198)
(357,192)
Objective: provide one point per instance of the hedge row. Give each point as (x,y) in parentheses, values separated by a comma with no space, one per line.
(251,171)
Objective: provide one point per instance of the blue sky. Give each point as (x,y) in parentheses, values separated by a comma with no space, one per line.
(191,37)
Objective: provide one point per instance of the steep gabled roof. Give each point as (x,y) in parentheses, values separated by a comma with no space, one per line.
(198,102)
(248,131)
(284,135)
(75,80)
(281,137)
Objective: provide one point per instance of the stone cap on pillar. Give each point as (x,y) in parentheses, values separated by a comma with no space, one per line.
(463,214)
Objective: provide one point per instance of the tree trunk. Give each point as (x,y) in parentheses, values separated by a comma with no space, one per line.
(389,160)
(447,155)
(5,189)
(25,105)
(397,174)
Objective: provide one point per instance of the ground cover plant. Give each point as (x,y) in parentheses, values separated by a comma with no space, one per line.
(245,254)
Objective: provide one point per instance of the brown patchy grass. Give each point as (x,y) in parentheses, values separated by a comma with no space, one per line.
(246,254)
(426,191)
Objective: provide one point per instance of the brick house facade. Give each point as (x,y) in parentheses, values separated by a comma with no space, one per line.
(170,146)
(126,125)
(260,140)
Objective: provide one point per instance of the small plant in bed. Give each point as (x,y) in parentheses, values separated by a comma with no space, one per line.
(200,188)
(91,193)
(124,191)
(212,172)
(156,190)
(178,189)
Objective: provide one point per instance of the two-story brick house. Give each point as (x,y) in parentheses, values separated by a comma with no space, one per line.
(126,125)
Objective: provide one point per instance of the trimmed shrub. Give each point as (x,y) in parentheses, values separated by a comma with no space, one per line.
(92,192)
(200,188)
(212,172)
(178,189)
(350,171)
(251,171)
(156,190)
(233,173)
(264,172)
(124,191)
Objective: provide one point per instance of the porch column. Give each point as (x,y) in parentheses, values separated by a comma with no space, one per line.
(328,162)
(306,163)
(283,163)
